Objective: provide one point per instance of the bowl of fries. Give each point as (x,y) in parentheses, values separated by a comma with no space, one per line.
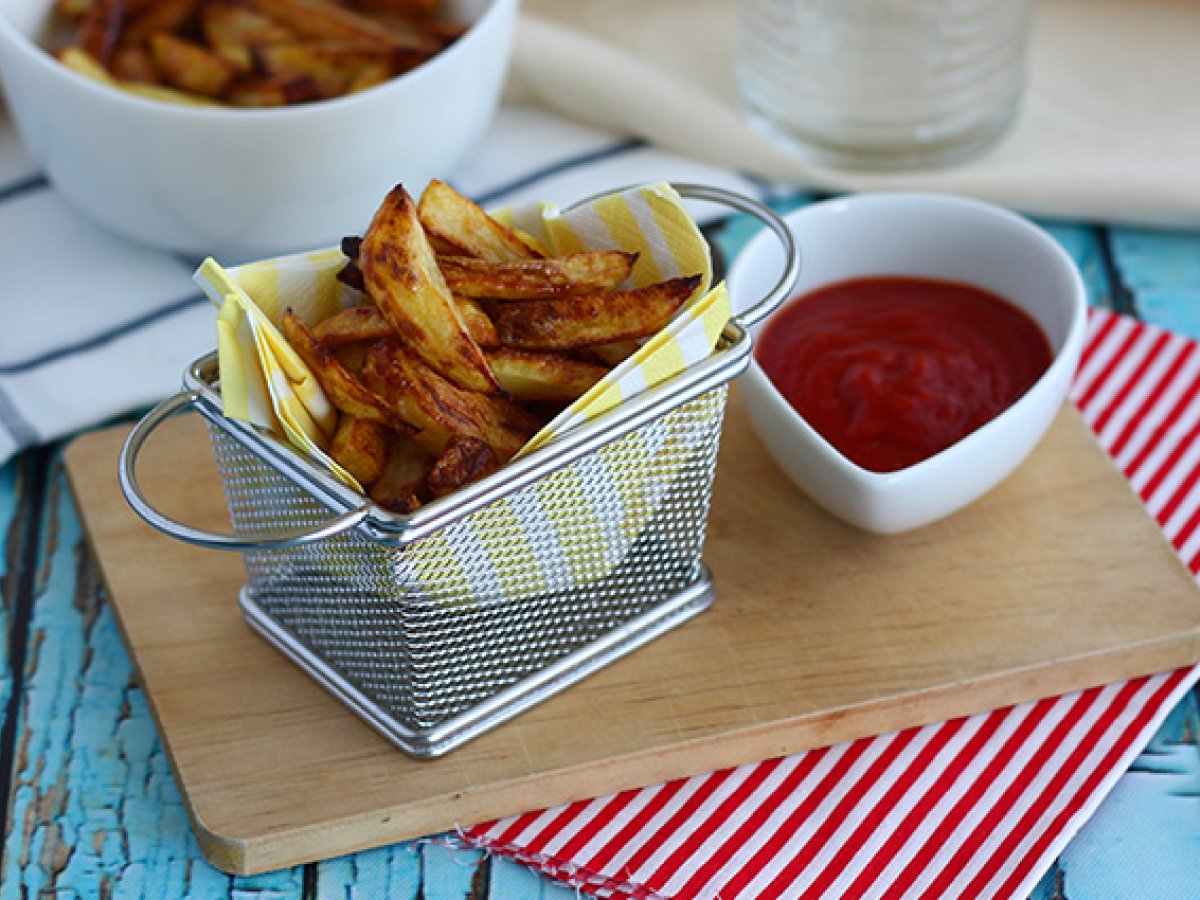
(248,128)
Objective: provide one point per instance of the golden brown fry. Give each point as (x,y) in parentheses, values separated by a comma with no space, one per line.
(325,20)
(419,395)
(613,354)
(190,67)
(591,318)
(134,64)
(477,322)
(156,17)
(530,376)
(265,92)
(464,460)
(334,65)
(358,323)
(537,279)
(402,278)
(345,392)
(401,486)
(232,29)
(360,447)
(405,8)
(100,29)
(459,223)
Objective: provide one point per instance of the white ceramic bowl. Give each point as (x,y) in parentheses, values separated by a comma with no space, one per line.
(938,237)
(248,183)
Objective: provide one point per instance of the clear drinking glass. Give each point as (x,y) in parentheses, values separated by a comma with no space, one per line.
(883,83)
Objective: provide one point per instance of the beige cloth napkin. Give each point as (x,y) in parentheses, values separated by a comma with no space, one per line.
(1109,129)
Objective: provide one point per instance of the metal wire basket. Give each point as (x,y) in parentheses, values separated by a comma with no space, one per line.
(439,625)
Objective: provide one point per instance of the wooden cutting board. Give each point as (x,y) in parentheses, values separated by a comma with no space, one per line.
(1056,581)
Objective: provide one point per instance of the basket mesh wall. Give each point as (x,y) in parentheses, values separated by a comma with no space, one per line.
(430,630)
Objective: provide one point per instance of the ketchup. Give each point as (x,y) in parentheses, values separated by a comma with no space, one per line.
(891,370)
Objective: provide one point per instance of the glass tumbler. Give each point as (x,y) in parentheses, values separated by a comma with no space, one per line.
(883,84)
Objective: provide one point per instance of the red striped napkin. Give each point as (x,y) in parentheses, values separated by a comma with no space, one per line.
(974,807)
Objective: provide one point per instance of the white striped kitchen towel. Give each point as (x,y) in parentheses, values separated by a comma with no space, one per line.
(975,807)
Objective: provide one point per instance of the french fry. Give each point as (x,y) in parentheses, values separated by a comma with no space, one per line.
(401,486)
(537,279)
(155,17)
(459,223)
(266,92)
(360,447)
(100,29)
(134,64)
(402,278)
(189,67)
(440,410)
(465,459)
(613,354)
(350,326)
(326,20)
(589,319)
(406,8)
(345,391)
(333,65)
(537,377)
(232,29)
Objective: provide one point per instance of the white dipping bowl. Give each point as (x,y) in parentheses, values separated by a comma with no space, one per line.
(930,236)
(242,184)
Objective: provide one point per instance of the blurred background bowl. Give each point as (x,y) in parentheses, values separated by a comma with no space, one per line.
(241,184)
(930,236)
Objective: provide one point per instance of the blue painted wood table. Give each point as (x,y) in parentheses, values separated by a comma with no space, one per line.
(91,809)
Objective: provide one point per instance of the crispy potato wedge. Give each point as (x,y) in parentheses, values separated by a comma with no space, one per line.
(345,391)
(613,354)
(334,65)
(453,221)
(402,278)
(366,323)
(360,447)
(326,20)
(232,30)
(465,459)
(537,279)
(526,375)
(591,318)
(100,29)
(265,92)
(156,17)
(401,486)
(134,64)
(189,67)
(350,326)
(440,410)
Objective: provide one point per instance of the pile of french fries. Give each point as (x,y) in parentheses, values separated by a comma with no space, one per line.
(252,53)
(468,340)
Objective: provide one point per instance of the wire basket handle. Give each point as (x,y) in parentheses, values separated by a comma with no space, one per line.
(768,217)
(211,539)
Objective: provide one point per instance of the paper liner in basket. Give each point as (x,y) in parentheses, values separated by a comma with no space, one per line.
(264,382)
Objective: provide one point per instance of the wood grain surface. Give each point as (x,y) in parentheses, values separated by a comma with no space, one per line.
(820,634)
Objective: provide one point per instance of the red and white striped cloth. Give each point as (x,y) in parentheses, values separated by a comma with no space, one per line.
(974,807)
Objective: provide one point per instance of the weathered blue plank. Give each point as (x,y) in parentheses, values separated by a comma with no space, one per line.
(393,872)
(1083,245)
(510,881)
(95,811)
(1145,839)
(448,870)
(1162,271)
(10,527)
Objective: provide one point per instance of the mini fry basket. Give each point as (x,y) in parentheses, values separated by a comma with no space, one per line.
(436,626)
